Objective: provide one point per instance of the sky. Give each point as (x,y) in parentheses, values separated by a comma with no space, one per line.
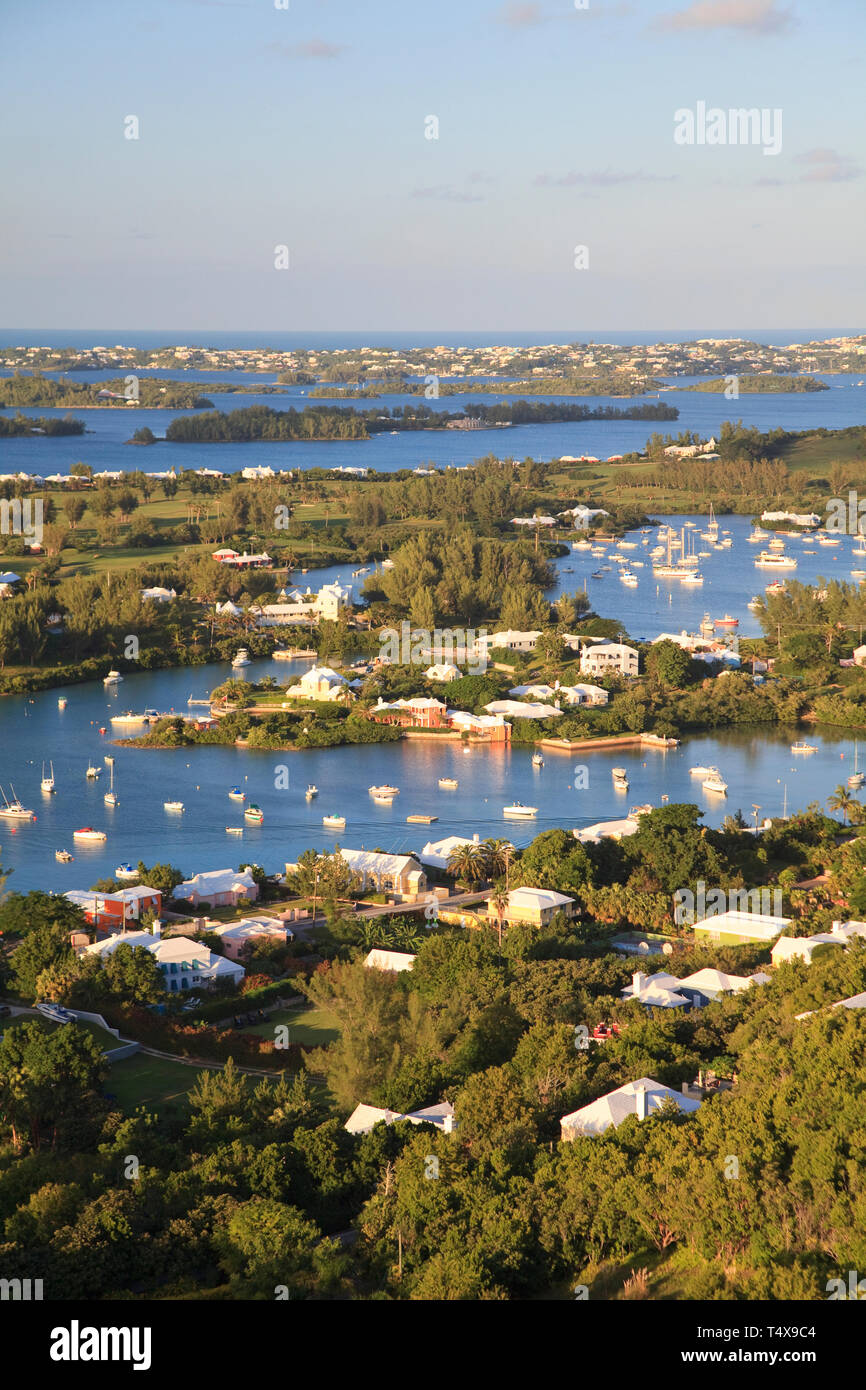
(306,124)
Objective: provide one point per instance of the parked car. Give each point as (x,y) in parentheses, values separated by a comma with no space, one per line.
(240,1021)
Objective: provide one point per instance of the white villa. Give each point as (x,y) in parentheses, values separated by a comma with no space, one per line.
(642,1098)
(300,608)
(364,1117)
(319,683)
(611,656)
(184,964)
(401,873)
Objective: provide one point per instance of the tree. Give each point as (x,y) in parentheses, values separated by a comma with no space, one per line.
(667,663)
(47,1079)
(132,975)
(42,948)
(22,913)
(467,863)
(842,800)
(162,877)
(74,506)
(268,1245)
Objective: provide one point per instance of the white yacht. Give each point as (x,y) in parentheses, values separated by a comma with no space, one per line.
(449,783)
(768,561)
(241,657)
(715,783)
(620,778)
(384,791)
(47,783)
(701,771)
(113,678)
(13,810)
(518,811)
(334,822)
(172,805)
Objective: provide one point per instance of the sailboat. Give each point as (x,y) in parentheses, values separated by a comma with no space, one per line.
(13,810)
(47,783)
(857,778)
(110,797)
(713,525)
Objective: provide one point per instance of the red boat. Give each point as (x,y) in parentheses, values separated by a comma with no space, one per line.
(726,621)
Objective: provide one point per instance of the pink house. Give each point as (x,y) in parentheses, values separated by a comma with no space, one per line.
(220,888)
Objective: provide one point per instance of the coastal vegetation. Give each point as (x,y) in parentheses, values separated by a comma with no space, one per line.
(764,384)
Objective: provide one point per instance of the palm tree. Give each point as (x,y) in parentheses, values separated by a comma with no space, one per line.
(499,903)
(843,801)
(496,853)
(466,862)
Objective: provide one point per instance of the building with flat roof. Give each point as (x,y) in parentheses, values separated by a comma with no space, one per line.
(735,928)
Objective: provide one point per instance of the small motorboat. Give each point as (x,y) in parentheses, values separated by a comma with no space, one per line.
(519,811)
(620,778)
(537,760)
(715,783)
(701,771)
(726,621)
(254,813)
(63,856)
(125,871)
(449,783)
(803,747)
(108,759)
(234,830)
(172,805)
(311,792)
(241,657)
(384,791)
(61,704)
(113,678)
(87,833)
(334,822)
(237,795)
(93,772)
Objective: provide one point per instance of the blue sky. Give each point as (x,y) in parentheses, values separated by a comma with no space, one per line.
(261,126)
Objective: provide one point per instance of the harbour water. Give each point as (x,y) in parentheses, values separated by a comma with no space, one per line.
(756,762)
(105,447)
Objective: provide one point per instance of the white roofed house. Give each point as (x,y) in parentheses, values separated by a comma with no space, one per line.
(380,959)
(364,1117)
(159,594)
(444,671)
(659,991)
(509,639)
(400,873)
(803,947)
(436,853)
(535,906)
(219,887)
(236,935)
(184,964)
(320,683)
(522,709)
(736,928)
(642,1098)
(611,656)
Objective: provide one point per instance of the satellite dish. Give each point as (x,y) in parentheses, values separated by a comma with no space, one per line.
(667,949)
(643,947)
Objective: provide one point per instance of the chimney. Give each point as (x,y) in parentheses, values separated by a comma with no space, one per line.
(448,1124)
(638,980)
(640,1101)
(156,928)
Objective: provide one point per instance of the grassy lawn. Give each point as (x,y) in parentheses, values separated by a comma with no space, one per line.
(313,1027)
(149,1081)
(107,1041)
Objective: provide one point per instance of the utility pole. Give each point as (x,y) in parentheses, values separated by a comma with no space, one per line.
(755,810)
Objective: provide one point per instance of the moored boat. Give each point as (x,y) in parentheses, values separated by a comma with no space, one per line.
(254,813)
(450,783)
(63,856)
(520,812)
(716,783)
(88,834)
(334,822)
(13,810)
